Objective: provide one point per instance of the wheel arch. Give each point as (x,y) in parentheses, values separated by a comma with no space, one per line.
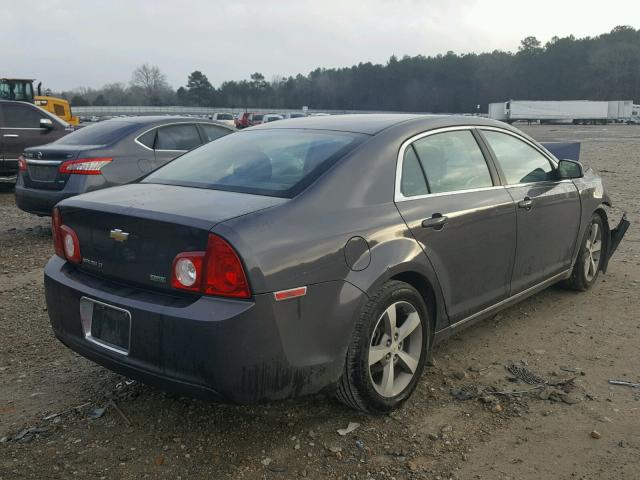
(426,291)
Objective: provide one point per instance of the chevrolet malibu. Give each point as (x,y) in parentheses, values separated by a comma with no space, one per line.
(322,252)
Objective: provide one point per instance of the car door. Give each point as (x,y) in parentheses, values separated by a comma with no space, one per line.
(173,140)
(21,129)
(450,197)
(548,209)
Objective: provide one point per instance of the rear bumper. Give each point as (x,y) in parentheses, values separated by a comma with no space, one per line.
(239,351)
(37,201)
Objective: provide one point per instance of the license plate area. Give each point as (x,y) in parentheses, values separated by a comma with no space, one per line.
(106,325)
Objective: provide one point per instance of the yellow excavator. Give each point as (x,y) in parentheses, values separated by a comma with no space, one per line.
(22,89)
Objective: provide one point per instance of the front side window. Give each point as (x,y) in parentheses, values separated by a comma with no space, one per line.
(21,116)
(452,161)
(178,137)
(520,162)
(265,162)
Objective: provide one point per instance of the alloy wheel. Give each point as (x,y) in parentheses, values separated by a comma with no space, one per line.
(593,248)
(395,349)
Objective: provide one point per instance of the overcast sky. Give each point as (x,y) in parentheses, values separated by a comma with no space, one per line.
(71,43)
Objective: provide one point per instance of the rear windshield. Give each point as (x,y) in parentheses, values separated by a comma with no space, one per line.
(278,163)
(103,133)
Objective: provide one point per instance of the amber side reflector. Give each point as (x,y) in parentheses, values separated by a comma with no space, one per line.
(291,293)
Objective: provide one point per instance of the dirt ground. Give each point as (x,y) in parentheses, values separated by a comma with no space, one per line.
(49,396)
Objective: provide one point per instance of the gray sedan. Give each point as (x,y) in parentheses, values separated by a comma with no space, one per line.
(106,154)
(323,252)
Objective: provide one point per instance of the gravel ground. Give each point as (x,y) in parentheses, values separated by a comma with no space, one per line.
(455,426)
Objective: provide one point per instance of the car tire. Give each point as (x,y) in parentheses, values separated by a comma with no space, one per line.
(382,369)
(590,257)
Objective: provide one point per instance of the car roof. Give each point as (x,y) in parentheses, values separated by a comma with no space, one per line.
(152,120)
(373,123)
(146,119)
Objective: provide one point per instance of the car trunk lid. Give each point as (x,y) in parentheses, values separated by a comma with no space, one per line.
(132,233)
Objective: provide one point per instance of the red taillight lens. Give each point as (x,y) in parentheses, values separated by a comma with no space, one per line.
(22,164)
(84,166)
(218,271)
(224,274)
(56,224)
(65,240)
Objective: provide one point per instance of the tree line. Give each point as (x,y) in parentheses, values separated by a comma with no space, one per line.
(604,67)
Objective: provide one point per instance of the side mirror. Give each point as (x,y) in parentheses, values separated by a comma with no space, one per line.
(46,123)
(568,169)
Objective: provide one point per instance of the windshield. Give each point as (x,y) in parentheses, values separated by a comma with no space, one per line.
(278,163)
(102,133)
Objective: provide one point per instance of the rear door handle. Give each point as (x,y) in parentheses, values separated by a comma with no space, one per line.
(437,221)
(11,135)
(527,203)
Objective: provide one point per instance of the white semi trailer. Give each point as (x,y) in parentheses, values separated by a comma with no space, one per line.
(620,110)
(561,111)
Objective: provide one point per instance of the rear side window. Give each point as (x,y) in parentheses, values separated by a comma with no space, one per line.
(413,181)
(452,161)
(178,137)
(257,118)
(520,162)
(276,162)
(148,139)
(21,116)
(211,132)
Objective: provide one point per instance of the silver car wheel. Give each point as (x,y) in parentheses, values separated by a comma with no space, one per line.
(395,349)
(593,248)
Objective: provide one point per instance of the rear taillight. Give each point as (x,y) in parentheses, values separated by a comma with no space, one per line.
(224,272)
(56,223)
(70,244)
(218,271)
(187,271)
(22,164)
(84,166)
(65,240)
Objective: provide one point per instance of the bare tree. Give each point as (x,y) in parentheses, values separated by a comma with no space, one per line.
(151,81)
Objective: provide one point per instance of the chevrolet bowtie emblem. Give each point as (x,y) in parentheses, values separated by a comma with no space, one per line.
(118,235)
